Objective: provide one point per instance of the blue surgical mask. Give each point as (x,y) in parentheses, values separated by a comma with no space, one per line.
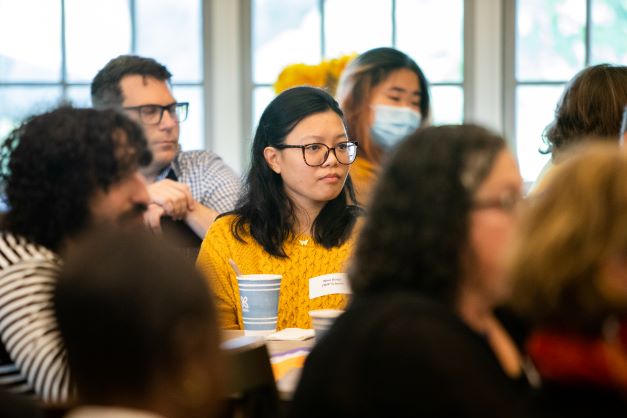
(391,124)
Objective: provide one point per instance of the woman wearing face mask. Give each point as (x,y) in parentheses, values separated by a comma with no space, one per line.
(385,97)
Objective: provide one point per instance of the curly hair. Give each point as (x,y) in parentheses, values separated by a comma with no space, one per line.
(418,224)
(105,87)
(591,106)
(355,87)
(53,163)
(264,206)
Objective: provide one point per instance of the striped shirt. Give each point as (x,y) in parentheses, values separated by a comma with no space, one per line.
(32,357)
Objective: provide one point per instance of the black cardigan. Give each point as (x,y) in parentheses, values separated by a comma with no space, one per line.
(400,355)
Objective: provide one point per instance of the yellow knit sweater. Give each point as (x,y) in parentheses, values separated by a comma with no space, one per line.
(306,259)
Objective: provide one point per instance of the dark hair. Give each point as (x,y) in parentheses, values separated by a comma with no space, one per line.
(591,106)
(105,88)
(417,226)
(264,207)
(54,163)
(133,312)
(355,88)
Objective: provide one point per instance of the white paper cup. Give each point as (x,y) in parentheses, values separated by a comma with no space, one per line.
(259,298)
(322,319)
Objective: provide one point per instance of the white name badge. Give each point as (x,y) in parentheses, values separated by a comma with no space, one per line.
(328,284)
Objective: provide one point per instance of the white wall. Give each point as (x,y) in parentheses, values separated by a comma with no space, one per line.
(225,130)
(484,61)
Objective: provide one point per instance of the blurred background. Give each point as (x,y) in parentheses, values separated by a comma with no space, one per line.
(502,63)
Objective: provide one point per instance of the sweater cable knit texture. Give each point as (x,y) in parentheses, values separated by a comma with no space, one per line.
(306,259)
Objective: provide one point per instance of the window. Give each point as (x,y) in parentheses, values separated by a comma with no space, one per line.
(57,47)
(306,31)
(554,39)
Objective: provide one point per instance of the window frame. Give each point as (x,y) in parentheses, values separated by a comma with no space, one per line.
(249,85)
(65,85)
(509,69)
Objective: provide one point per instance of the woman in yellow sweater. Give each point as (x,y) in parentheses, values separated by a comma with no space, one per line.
(385,97)
(294,217)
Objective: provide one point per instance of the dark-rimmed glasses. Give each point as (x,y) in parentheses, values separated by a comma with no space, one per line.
(151,114)
(317,154)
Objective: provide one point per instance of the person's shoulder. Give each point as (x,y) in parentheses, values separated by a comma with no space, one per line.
(364,167)
(221,234)
(410,317)
(223,222)
(209,167)
(15,249)
(222,226)
(198,157)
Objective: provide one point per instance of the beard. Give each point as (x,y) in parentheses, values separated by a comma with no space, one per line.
(133,216)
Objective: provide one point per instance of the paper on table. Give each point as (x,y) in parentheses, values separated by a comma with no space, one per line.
(291,334)
(285,362)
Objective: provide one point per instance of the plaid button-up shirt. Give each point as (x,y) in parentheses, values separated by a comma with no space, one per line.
(212,182)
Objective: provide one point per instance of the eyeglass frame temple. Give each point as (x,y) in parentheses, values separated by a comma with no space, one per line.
(163,109)
(176,106)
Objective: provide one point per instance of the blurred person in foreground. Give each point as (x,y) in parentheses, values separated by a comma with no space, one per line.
(569,272)
(385,97)
(420,337)
(296,216)
(13,405)
(150,347)
(62,172)
(590,109)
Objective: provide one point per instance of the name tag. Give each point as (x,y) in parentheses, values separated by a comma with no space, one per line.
(328,284)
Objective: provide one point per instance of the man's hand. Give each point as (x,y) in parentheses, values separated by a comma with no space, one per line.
(152,217)
(175,198)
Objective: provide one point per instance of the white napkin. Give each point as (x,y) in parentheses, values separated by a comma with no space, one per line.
(291,334)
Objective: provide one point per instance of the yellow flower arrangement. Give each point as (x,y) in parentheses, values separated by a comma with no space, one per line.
(325,75)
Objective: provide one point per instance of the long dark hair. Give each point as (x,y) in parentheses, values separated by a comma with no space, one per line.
(355,88)
(264,206)
(417,226)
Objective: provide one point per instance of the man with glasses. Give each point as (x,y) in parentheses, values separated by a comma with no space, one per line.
(191,186)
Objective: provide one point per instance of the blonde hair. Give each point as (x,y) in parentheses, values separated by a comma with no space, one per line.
(570,230)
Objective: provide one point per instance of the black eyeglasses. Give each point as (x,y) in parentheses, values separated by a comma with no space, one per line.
(151,114)
(316,154)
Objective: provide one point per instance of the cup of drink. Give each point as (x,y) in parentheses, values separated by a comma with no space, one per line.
(259,297)
(322,319)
